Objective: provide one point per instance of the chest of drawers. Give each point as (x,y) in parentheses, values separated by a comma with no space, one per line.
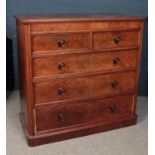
(78,74)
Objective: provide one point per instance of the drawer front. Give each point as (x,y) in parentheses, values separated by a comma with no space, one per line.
(81,63)
(119,39)
(60,42)
(83,87)
(69,114)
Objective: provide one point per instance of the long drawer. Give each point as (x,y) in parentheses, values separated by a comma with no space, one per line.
(59,64)
(70,114)
(81,87)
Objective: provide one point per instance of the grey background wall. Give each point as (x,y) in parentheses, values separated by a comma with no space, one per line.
(131,7)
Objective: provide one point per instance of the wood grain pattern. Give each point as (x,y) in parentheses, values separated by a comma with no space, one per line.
(100,85)
(48,65)
(50,42)
(106,60)
(78,74)
(48,18)
(82,26)
(106,39)
(25,84)
(22,71)
(83,112)
(81,130)
(138,66)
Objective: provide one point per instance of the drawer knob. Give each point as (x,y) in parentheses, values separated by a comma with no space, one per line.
(61,66)
(114,84)
(61,43)
(117,40)
(116,60)
(61,117)
(112,108)
(61,91)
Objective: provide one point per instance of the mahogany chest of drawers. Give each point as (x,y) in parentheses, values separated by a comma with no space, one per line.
(78,74)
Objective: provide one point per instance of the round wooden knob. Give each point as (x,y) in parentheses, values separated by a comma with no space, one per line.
(61,91)
(61,43)
(113,108)
(116,60)
(114,84)
(61,117)
(61,66)
(117,40)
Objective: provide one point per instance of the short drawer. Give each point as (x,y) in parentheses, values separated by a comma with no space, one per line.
(61,89)
(83,63)
(115,39)
(70,114)
(69,41)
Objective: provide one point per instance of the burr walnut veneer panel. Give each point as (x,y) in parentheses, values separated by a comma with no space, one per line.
(50,65)
(70,114)
(72,88)
(60,42)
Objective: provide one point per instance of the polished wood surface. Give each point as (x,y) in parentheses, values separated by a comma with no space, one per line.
(60,42)
(109,39)
(70,114)
(25,83)
(40,18)
(49,65)
(78,74)
(84,87)
(84,26)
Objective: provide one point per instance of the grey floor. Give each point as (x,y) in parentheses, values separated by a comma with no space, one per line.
(125,141)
